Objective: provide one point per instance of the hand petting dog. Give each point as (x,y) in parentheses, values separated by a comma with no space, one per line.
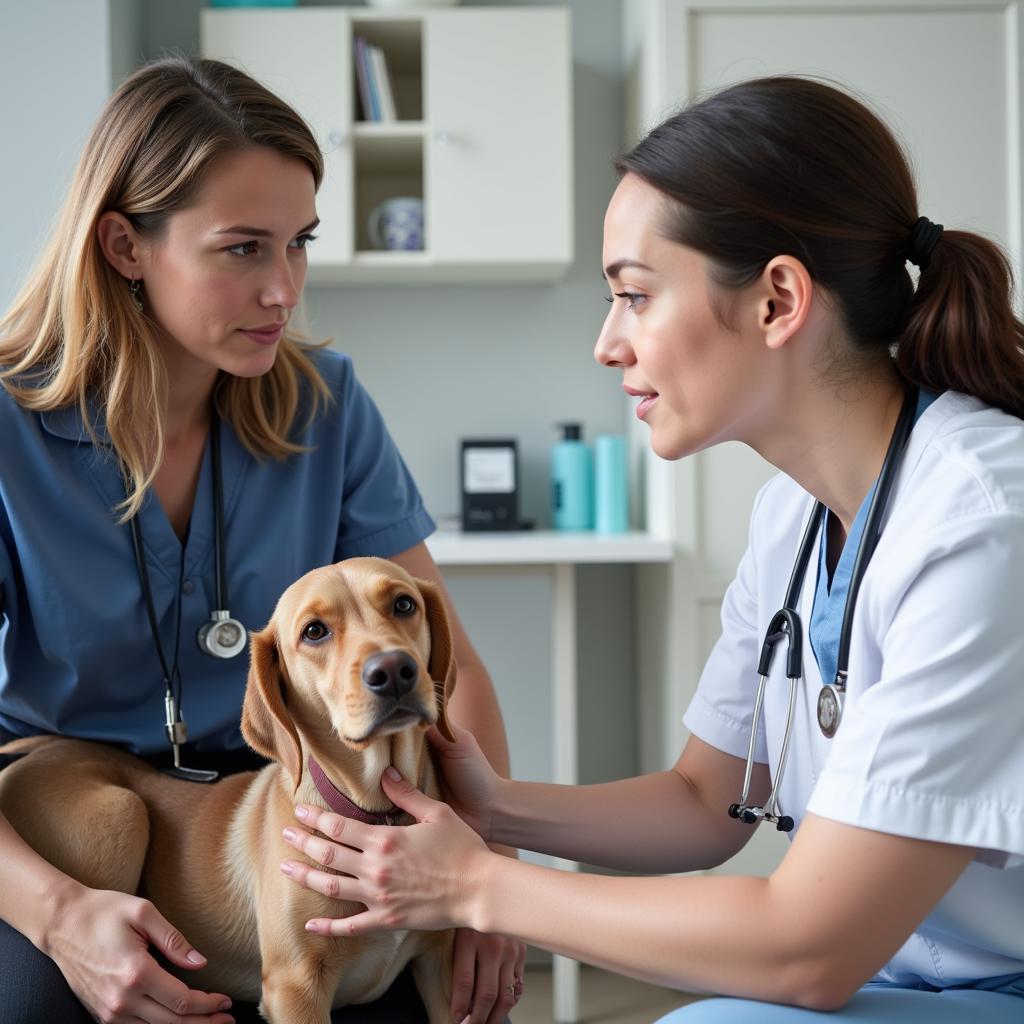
(417,877)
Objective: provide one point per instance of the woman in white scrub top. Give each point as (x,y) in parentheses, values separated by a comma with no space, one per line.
(756,249)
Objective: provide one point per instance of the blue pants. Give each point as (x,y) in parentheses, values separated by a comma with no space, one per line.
(873,1004)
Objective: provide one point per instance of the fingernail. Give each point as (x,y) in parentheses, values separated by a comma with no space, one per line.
(302,813)
(392,773)
(287,867)
(311,926)
(195,957)
(225,1005)
(289,834)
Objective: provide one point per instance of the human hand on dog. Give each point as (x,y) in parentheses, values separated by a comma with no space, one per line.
(100,941)
(487,976)
(422,876)
(471,784)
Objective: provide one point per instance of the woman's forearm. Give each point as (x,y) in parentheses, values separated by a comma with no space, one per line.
(31,889)
(652,823)
(474,706)
(727,934)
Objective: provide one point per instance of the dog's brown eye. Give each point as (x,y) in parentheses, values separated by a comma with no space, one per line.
(315,631)
(404,605)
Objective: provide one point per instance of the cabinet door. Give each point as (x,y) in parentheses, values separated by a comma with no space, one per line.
(499,154)
(304,56)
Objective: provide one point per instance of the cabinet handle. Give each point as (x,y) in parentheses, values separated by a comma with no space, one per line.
(336,139)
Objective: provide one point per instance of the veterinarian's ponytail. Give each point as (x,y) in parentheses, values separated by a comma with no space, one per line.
(962,333)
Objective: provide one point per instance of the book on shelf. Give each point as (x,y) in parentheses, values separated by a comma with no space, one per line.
(383,80)
(362,63)
(376,96)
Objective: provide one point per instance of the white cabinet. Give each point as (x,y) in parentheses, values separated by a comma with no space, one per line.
(483,133)
(500,157)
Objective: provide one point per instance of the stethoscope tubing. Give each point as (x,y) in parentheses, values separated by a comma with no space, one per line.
(177,733)
(873,527)
(220,572)
(786,624)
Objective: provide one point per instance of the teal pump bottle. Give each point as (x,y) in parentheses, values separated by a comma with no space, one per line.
(572,481)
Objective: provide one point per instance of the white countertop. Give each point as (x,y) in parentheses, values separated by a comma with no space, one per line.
(545,547)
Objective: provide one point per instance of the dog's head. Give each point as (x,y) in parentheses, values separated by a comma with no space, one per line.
(353,652)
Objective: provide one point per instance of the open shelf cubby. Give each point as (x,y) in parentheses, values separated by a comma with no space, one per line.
(402,43)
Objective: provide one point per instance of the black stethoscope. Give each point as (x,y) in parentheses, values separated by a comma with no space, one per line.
(220,637)
(786,624)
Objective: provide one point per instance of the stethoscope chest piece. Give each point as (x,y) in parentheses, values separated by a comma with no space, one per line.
(222,636)
(830,708)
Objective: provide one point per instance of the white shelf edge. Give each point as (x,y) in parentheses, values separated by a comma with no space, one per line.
(358,14)
(389,129)
(391,258)
(420,268)
(546,547)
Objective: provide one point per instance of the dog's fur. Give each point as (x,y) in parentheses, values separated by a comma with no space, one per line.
(208,856)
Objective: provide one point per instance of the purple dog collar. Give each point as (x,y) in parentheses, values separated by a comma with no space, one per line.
(341,804)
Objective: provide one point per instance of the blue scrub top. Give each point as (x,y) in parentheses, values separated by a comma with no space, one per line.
(76,652)
(830,599)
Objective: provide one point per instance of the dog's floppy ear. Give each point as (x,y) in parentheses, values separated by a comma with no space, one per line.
(442,655)
(267,725)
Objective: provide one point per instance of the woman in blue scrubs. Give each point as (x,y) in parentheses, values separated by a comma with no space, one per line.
(161,308)
(756,249)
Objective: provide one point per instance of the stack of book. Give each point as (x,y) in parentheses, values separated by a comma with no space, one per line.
(375,94)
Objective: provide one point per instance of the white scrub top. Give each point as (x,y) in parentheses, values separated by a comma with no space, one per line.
(932,739)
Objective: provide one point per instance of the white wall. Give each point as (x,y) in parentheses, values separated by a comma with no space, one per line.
(54,77)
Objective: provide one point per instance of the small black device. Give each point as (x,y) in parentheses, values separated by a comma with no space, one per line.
(489,476)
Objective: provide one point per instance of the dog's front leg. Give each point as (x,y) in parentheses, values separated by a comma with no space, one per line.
(432,972)
(295,990)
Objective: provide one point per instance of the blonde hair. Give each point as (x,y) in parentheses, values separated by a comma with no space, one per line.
(74,335)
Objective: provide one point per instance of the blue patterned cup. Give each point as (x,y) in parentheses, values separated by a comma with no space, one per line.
(397,224)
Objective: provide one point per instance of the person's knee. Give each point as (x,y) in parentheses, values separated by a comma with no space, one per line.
(32,989)
(718,1011)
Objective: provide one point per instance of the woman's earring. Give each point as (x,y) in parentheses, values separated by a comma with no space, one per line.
(135,290)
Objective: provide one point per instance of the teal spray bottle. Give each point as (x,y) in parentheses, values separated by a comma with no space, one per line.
(572,481)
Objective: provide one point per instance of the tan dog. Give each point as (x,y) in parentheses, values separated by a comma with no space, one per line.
(354,666)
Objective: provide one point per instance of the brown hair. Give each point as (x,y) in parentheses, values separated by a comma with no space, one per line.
(793,166)
(74,335)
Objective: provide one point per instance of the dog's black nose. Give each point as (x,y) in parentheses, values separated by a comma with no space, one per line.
(390,673)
